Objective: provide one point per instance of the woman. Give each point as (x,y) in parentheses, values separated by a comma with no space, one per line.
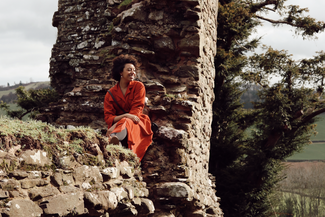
(129,126)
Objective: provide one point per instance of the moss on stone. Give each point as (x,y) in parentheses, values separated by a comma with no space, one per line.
(125,3)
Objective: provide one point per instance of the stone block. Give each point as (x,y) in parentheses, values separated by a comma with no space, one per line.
(120,193)
(110,173)
(9,184)
(156,15)
(87,174)
(36,157)
(68,189)
(14,194)
(164,44)
(147,206)
(102,200)
(22,208)
(18,174)
(174,190)
(30,183)
(125,170)
(190,44)
(4,194)
(188,71)
(136,13)
(34,174)
(64,204)
(172,134)
(42,192)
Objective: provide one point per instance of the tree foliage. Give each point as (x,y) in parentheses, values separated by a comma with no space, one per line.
(30,101)
(247,146)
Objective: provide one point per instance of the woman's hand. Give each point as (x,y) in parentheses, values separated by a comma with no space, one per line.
(134,118)
(110,130)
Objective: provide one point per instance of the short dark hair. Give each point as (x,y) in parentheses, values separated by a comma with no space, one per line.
(119,64)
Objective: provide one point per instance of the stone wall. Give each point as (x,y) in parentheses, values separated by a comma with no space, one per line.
(33,183)
(175,43)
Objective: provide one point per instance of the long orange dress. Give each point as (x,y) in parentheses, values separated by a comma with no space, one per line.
(140,134)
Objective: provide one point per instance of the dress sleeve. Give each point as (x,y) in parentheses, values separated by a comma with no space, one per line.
(109,110)
(137,103)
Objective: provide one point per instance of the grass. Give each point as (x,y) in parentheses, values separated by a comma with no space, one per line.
(55,141)
(300,204)
(314,151)
(12,107)
(320,128)
(302,192)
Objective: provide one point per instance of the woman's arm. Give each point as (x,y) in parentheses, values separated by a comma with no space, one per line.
(134,118)
(138,101)
(110,113)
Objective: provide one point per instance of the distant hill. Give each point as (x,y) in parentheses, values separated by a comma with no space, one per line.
(7,94)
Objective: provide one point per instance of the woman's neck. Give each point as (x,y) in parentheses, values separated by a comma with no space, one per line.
(123,84)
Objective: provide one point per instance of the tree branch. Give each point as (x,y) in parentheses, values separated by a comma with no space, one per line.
(22,115)
(276,21)
(270,9)
(274,138)
(312,115)
(258,6)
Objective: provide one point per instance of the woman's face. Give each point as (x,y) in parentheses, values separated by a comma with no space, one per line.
(128,73)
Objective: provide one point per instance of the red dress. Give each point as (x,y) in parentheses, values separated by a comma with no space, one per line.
(140,134)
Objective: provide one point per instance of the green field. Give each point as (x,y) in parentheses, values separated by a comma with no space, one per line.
(310,152)
(320,129)
(315,151)
(12,106)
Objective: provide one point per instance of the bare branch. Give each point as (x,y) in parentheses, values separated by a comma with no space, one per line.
(275,21)
(270,9)
(312,115)
(258,6)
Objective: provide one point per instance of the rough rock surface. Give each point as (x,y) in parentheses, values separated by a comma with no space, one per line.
(175,43)
(82,191)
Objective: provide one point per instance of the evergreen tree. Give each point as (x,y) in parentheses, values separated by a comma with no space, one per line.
(30,101)
(247,165)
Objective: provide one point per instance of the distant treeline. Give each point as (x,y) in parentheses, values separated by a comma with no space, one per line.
(8,87)
(11,96)
(249,96)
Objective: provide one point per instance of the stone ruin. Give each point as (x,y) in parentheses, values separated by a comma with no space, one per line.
(175,43)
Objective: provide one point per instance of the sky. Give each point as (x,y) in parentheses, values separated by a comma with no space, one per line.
(27,37)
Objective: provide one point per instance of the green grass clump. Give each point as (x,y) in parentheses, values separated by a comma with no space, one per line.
(75,145)
(125,3)
(119,152)
(34,129)
(41,131)
(53,140)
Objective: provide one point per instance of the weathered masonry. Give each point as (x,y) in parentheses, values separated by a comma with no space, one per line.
(175,43)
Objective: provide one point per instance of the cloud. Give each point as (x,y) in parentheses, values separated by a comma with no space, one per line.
(284,38)
(26,39)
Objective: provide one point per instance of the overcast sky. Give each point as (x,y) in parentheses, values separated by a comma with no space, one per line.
(27,37)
